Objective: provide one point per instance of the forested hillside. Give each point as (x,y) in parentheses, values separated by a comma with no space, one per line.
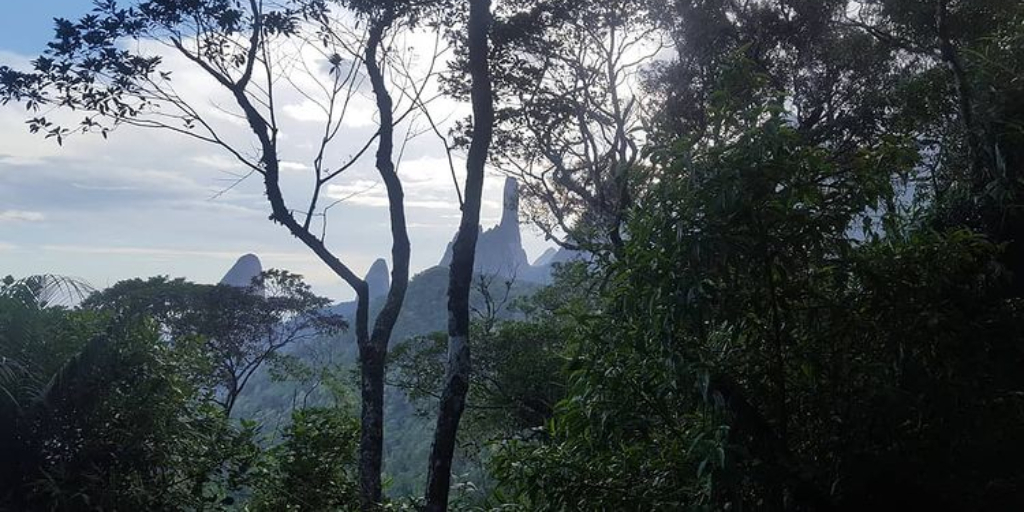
(305,371)
(796,279)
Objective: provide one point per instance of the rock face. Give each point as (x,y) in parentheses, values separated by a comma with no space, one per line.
(540,271)
(499,250)
(243,271)
(377,278)
(546,258)
(563,255)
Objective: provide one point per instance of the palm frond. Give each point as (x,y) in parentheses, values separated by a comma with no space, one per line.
(48,290)
(15,378)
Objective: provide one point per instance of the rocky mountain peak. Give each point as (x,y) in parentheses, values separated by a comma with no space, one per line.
(499,250)
(546,258)
(243,271)
(377,278)
(510,204)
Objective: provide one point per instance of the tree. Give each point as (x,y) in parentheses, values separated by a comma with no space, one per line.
(856,71)
(241,328)
(753,353)
(312,469)
(784,329)
(456,382)
(969,117)
(572,118)
(240,46)
(102,412)
(37,336)
(115,404)
(518,344)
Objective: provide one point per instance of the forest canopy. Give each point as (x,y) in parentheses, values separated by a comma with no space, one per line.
(797,280)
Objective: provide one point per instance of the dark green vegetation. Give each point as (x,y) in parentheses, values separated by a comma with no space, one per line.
(164,394)
(806,290)
(817,304)
(123,403)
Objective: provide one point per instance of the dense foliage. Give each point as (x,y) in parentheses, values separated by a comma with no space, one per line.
(816,306)
(109,410)
(803,287)
(755,351)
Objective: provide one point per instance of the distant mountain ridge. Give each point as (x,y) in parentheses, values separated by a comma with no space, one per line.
(499,253)
(407,433)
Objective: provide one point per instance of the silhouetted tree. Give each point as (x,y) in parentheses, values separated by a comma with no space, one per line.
(456,382)
(238,45)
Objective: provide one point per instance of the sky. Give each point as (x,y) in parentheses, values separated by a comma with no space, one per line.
(151,202)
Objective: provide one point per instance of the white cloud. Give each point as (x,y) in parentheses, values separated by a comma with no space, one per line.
(431,205)
(431,172)
(220,206)
(163,252)
(104,188)
(371,193)
(23,161)
(293,166)
(359,113)
(364,192)
(307,111)
(219,162)
(21,216)
(137,204)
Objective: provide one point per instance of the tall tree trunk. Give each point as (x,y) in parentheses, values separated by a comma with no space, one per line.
(372,412)
(372,349)
(460,274)
(373,354)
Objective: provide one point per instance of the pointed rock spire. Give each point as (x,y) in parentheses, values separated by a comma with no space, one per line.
(243,271)
(377,278)
(510,205)
(499,250)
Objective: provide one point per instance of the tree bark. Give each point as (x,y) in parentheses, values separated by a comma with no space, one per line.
(460,273)
(372,354)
